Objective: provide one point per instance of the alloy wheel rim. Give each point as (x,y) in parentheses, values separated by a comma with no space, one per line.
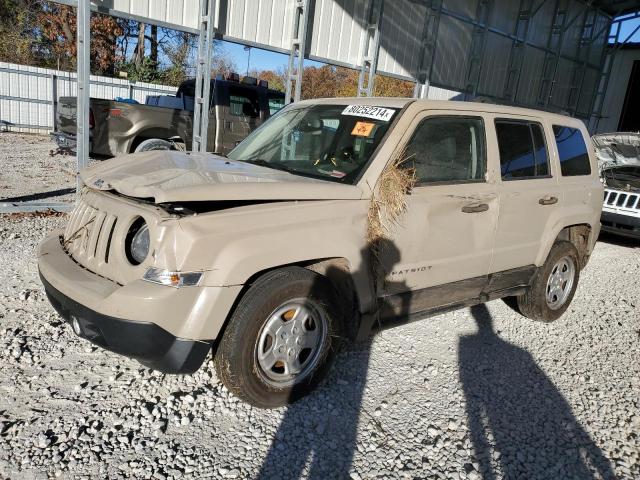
(560,283)
(290,342)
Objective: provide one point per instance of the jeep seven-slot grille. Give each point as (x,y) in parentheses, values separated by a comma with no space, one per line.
(88,235)
(617,199)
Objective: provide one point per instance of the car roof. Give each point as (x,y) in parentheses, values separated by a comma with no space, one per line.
(396,102)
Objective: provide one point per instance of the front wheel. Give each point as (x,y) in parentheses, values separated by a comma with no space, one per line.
(554,285)
(281,338)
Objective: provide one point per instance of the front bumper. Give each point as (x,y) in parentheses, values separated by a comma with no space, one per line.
(169,329)
(153,346)
(626,225)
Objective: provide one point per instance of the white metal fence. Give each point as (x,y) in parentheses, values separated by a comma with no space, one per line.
(27,94)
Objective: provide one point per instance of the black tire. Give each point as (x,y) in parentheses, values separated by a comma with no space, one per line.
(153,144)
(236,361)
(533,304)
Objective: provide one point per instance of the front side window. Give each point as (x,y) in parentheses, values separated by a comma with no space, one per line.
(448,149)
(574,159)
(330,142)
(523,152)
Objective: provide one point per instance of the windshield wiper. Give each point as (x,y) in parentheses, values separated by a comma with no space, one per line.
(263,163)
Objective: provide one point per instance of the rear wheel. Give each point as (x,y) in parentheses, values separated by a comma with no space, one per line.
(153,144)
(281,338)
(554,285)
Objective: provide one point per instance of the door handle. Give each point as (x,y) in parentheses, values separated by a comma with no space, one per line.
(548,200)
(475,208)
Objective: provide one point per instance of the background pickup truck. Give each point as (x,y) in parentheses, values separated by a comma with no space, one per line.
(166,122)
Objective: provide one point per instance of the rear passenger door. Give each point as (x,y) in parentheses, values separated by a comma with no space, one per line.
(529,191)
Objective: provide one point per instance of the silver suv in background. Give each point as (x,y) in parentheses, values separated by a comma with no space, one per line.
(619,163)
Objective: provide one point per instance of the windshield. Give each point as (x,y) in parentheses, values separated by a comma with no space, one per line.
(331,142)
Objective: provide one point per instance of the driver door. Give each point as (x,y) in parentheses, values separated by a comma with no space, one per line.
(444,242)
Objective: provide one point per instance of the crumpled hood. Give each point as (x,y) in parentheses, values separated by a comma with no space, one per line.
(616,149)
(170,176)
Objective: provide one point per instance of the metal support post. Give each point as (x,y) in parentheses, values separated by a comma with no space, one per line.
(428,49)
(579,73)
(54,102)
(203,76)
(296,54)
(559,26)
(478,42)
(516,55)
(83,17)
(370,49)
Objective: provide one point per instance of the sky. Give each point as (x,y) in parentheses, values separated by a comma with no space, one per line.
(628,27)
(260,59)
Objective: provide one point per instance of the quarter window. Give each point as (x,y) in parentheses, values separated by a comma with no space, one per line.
(523,152)
(448,149)
(574,159)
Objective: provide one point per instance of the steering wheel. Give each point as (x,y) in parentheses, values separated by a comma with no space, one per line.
(344,155)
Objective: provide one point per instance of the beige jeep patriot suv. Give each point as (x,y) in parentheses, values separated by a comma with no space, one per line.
(272,255)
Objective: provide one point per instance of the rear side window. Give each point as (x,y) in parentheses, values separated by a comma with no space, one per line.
(448,149)
(243,102)
(523,152)
(276,102)
(574,159)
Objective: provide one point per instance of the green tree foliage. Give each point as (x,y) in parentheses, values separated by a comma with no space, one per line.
(145,71)
(20,41)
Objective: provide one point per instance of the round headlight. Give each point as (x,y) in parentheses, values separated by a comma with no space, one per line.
(137,245)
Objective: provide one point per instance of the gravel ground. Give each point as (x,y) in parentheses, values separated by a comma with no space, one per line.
(478,393)
(29,173)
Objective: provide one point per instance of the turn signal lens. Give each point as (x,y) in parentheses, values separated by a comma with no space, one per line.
(172,279)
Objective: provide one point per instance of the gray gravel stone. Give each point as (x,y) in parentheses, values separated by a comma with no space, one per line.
(433,399)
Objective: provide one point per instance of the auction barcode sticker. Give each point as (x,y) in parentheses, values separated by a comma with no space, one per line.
(368,111)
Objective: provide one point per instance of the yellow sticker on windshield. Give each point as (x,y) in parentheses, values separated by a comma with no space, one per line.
(362,129)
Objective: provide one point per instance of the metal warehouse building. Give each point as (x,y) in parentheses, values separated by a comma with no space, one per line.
(548,54)
(561,55)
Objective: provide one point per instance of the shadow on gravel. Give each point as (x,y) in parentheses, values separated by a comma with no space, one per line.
(40,196)
(619,240)
(317,436)
(520,424)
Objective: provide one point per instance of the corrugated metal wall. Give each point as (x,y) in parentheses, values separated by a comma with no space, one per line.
(558,53)
(181,13)
(400,37)
(338,30)
(560,43)
(264,22)
(26,94)
(558,70)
